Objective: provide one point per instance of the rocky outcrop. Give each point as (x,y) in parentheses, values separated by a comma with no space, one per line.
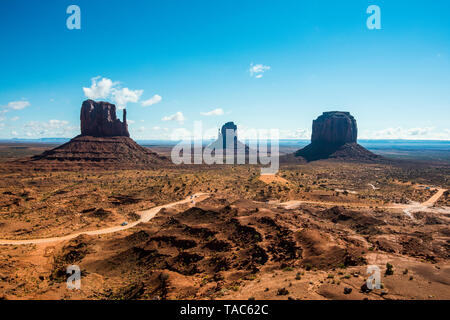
(98,119)
(104,142)
(334,135)
(118,150)
(334,127)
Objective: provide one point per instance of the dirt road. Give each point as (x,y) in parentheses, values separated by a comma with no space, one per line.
(430,202)
(146,216)
(407,208)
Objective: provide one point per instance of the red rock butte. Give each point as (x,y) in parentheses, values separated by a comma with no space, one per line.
(104,139)
(98,119)
(334,127)
(334,135)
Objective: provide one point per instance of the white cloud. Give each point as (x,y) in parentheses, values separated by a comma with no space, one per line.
(178,117)
(425,133)
(257,70)
(215,112)
(295,134)
(158,128)
(153,100)
(14,133)
(180,134)
(105,88)
(245,132)
(58,123)
(15,118)
(99,89)
(51,128)
(125,95)
(16,105)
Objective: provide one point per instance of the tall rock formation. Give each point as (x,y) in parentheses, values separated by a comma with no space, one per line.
(334,127)
(228,135)
(98,119)
(104,142)
(334,135)
(227,140)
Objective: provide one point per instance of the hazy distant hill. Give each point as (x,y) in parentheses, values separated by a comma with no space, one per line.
(406,149)
(40,140)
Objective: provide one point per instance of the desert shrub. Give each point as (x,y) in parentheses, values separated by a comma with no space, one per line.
(389,269)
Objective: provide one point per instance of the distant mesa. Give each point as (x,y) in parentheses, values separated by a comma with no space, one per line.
(228,135)
(227,139)
(334,135)
(104,139)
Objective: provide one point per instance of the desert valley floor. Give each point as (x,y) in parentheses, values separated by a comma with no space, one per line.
(225,232)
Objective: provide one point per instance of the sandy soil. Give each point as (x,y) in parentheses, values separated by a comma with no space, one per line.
(269,178)
(145,216)
(242,237)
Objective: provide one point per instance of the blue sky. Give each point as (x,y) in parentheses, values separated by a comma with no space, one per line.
(261,64)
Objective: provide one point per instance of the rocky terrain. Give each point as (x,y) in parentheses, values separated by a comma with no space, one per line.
(334,136)
(250,238)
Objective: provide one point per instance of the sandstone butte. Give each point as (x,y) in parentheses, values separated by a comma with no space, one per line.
(334,135)
(104,141)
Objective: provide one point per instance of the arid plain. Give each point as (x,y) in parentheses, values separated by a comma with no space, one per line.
(307,233)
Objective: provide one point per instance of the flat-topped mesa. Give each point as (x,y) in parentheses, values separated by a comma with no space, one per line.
(98,119)
(334,135)
(334,127)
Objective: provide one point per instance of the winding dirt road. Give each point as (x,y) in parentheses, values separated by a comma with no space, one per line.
(146,216)
(407,208)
